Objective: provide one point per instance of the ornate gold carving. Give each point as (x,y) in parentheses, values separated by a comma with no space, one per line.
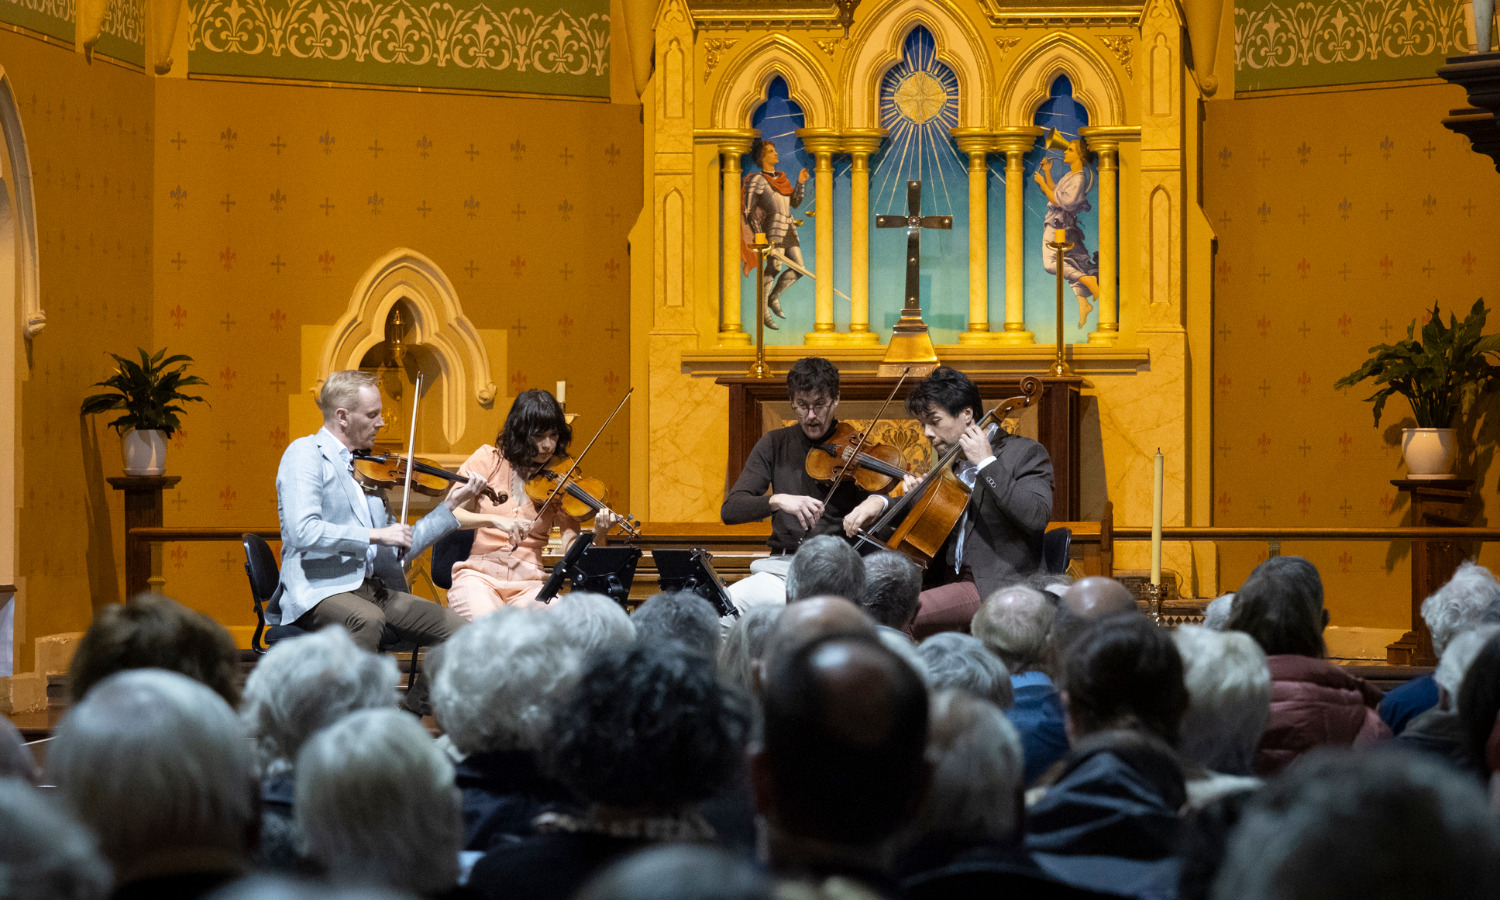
(919,96)
(1007,44)
(715,48)
(1120,46)
(828,45)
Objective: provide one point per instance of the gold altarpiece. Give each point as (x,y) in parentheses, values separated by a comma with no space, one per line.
(1146,369)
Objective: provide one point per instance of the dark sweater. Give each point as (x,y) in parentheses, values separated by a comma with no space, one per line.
(778,461)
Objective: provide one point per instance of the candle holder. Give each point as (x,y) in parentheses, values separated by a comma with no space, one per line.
(1155,595)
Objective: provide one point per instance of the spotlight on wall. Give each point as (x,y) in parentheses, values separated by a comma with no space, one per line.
(845,17)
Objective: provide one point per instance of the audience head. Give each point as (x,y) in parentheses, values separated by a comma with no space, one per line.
(45,854)
(977,770)
(592,621)
(1085,602)
(1216,614)
(961,662)
(152,632)
(810,619)
(903,646)
(892,585)
(1342,826)
(1281,606)
(1479,706)
(1229,698)
(274,887)
(309,682)
(1460,604)
(1124,674)
(16,760)
(160,768)
(497,680)
(826,565)
(1013,624)
(648,728)
(1052,584)
(681,872)
(845,733)
(745,644)
(680,616)
(376,804)
(1457,659)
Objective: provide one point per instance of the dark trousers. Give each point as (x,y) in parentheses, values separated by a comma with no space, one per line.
(372,610)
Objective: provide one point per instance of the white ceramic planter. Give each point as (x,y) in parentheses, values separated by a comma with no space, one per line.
(145,452)
(1429,452)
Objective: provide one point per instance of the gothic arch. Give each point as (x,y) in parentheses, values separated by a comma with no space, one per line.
(1027,84)
(440,326)
(746,78)
(19,279)
(876,46)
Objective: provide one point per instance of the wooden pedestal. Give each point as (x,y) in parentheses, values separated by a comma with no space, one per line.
(1434,503)
(143,507)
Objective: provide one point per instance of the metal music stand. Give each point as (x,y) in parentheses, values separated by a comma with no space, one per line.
(560,571)
(608,571)
(692,570)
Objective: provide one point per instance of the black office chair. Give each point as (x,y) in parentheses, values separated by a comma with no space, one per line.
(1055,546)
(453,547)
(265,575)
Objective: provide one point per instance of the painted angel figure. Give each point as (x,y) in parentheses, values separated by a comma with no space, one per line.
(768,200)
(1066,198)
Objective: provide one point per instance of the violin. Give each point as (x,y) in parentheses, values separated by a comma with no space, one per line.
(380,473)
(845,456)
(578,495)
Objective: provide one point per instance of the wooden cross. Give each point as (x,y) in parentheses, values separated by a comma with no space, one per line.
(913,222)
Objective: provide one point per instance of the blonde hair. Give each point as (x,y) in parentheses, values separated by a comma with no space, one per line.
(341,390)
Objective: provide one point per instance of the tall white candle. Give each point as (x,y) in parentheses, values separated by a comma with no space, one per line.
(562,392)
(1156,520)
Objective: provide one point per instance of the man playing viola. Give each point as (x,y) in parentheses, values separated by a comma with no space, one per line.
(999,534)
(795,500)
(341,555)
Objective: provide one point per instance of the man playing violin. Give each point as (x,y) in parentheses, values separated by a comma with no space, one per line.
(778,463)
(999,534)
(341,555)
(505,567)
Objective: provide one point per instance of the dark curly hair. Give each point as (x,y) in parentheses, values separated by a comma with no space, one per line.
(1124,671)
(757,147)
(533,413)
(154,632)
(813,375)
(948,389)
(649,727)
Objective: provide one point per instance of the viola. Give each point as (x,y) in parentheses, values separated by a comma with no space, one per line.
(844,456)
(380,473)
(578,495)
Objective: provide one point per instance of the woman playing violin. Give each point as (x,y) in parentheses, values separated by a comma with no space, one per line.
(505,566)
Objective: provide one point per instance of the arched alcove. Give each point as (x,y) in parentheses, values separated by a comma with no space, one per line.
(747,77)
(18,257)
(876,46)
(439,326)
(1059,53)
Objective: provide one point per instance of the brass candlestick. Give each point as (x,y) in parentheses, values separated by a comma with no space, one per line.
(759,369)
(1061,244)
(1155,594)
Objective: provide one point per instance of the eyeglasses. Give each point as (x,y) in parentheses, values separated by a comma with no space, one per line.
(803,411)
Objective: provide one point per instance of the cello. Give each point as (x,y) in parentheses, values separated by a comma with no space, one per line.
(919,522)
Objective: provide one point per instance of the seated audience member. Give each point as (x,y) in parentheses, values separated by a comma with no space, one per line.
(301,685)
(826,566)
(1014,625)
(1377,826)
(493,692)
(1053,584)
(681,872)
(1313,702)
(960,662)
(376,804)
(16,760)
(841,768)
(745,644)
(281,887)
(646,734)
(809,620)
(1440,731)
(680,616)
(592,621)
(1479,711)
(1086,601)
(152,632)
(1216,614)
(1108,821)
(1450,610)
(1229,702)
(892,585)
(168,829)
(45,854)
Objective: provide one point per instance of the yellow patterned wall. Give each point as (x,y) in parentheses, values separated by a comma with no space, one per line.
(1340,217)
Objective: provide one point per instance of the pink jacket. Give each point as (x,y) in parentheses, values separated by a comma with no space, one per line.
(1315,703)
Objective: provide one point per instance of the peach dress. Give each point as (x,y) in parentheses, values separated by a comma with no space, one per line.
(497,572)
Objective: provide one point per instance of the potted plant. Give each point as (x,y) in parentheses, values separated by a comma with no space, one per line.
(149,392)
(1439,376)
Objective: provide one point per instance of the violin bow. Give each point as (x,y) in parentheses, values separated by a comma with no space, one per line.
(411,449)
(562,482)
(859,442)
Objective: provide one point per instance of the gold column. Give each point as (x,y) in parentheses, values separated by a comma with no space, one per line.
(977,143)
(732,146)
(860,145)
(821,143)
(1106,142)
(1015,143)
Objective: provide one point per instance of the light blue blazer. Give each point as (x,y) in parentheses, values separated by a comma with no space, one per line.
(325,529)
